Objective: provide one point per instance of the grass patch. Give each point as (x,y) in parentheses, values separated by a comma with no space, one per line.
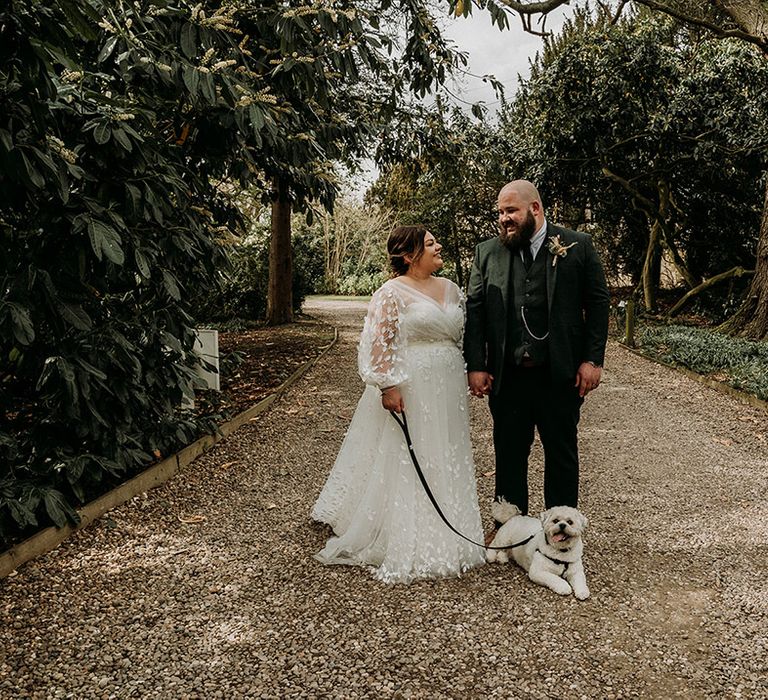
(743,364)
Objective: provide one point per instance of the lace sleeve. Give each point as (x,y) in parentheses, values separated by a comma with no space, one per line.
(459,298)
(379,354)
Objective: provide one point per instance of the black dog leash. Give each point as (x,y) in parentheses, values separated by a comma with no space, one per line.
(404,426)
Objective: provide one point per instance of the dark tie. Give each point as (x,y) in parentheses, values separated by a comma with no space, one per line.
(527,257)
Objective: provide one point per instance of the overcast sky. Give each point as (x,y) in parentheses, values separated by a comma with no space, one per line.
(505,54)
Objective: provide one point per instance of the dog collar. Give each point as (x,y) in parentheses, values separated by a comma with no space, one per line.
(555,561)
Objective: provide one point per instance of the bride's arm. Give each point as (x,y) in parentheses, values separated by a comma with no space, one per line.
(379,356)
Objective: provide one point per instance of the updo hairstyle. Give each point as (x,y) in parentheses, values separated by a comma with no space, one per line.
(405,241)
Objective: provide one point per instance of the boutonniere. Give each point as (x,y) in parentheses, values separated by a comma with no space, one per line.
(557,249)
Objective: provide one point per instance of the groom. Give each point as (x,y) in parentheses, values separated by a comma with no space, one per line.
(537,325)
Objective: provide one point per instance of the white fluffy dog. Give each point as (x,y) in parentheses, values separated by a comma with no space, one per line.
(552,551)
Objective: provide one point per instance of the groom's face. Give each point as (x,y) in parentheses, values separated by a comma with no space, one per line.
(516,221)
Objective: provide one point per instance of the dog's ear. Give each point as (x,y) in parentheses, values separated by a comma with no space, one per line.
(545,516)
(583,520)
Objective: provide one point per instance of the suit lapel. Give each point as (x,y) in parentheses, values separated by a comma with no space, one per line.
(551,269)
(504,261)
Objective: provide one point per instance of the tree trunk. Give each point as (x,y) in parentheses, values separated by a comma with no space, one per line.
(751,320)
(280,292)
(650,273)
(750,15)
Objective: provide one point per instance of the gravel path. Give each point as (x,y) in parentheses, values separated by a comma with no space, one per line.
(206,588)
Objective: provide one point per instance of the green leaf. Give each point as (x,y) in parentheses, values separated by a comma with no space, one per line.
(171,341)
(58,509)
(19,512)
(142,263)
(105,240)
(209,87)
(107,49)
(191,77)
(122,138)
(32,173)
(23,329)
(82,16)
(189,40)
(75,316)
(16,356)
(102,133)
(135,197)
(171,286)
(6,140)
(74,469)
(257,117)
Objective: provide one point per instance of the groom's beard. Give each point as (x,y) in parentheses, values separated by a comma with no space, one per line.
(514,237)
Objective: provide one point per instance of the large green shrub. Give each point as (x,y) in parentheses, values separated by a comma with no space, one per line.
(107,220)
(124,129)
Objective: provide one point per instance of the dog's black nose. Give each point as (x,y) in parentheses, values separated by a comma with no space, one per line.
(562,526)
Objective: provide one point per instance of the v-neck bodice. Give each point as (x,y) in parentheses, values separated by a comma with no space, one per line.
(423,319)
(441,304)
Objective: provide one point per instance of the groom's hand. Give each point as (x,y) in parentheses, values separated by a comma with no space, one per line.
(480,383)
(588,378)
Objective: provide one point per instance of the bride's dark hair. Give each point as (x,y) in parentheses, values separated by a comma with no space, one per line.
(405,241)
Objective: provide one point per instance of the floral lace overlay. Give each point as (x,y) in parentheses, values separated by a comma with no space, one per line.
(373,498)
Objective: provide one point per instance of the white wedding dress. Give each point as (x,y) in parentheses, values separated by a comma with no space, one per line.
(373,498)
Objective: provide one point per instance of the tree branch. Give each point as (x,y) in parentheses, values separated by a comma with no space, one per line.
(532,8)
(733,272)
(700,22)
(619,10)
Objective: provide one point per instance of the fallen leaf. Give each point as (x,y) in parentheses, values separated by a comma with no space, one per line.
(271,506)
(723,441)
(490,473)
(226,465)
(192,519)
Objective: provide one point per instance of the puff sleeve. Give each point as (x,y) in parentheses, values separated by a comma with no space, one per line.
(380,351)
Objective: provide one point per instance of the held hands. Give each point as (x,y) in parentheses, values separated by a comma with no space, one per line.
(392,400)
(588,378)
(480,383)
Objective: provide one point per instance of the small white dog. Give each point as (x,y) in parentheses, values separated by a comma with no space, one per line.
(552,551)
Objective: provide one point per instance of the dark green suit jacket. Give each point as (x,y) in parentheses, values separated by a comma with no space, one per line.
(578,301)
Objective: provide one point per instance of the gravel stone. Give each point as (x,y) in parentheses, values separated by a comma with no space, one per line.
(143,605)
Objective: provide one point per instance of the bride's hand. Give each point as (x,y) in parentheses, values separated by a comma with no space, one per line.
(392,400)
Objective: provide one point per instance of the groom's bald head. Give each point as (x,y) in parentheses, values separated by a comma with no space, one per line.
(521,213)
(525,191)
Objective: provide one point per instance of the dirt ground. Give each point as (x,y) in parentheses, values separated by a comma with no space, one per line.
(206,587)
(267,356)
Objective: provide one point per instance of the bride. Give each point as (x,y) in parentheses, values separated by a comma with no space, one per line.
(410,359)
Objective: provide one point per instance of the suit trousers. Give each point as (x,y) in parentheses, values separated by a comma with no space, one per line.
(528,399)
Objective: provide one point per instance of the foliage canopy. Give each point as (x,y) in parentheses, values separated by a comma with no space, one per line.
(124,127)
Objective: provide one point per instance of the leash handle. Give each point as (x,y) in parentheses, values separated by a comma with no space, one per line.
(403,423)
